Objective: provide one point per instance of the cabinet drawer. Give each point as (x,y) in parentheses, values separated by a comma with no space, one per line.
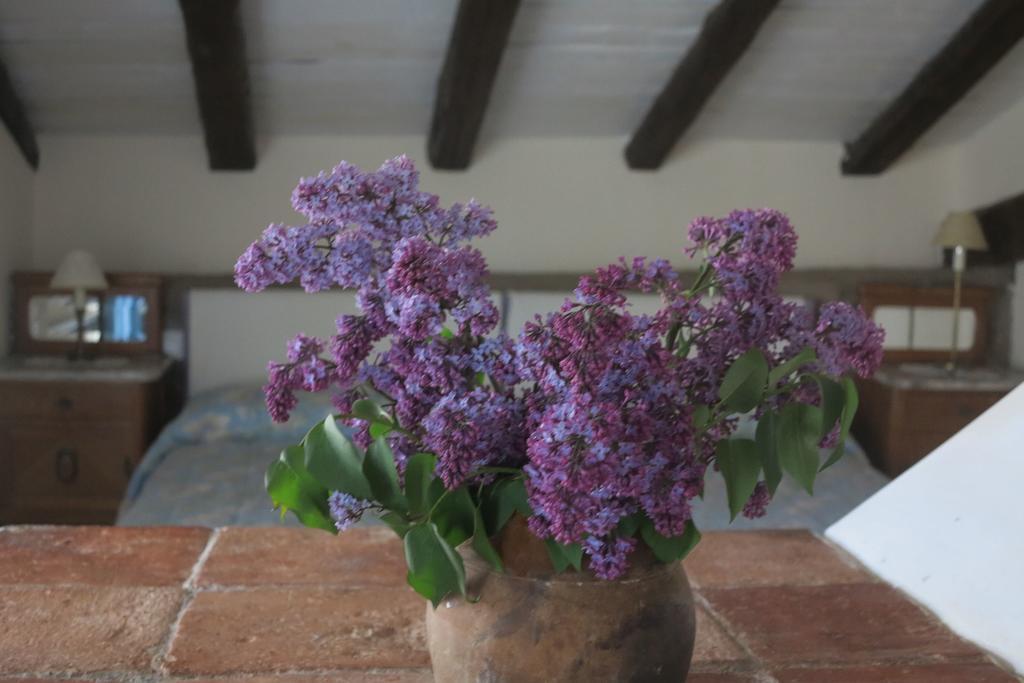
(71,400)
(945,412)
(41,465)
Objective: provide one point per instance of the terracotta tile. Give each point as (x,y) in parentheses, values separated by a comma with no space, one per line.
(721,678)
(736,559)
(289,629)
(413,676)
(853,623)
(266,556)
(713,643)
(99,556)
(941,673)
(83,628)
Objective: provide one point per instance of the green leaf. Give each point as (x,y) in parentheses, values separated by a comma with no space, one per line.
(296,491)
(435,569)
(564,556)
(670,549)
(744,382)
(740,466)
(833,398)
(419,472)
(398,523)
(765,438)
(379,429)
(334,461)
(628,526)
(797,438)
(781,372)
(455,516)
(365,409)
(446,333)
(850,404)
(505,498)
(379,469)
(701,415)
(482,544)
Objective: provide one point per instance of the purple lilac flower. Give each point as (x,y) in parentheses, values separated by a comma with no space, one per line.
(609,558)
(280,391)
(593,402)
(757,505)
(471,431)
(847,340)
(346,509)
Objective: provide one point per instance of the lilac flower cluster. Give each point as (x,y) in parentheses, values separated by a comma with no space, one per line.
(610,415)
(610,426)
(408,260)
(346,509)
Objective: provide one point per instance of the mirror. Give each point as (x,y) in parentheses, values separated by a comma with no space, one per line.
(118,318)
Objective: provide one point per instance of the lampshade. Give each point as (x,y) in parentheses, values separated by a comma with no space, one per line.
(78,270)
(961,230)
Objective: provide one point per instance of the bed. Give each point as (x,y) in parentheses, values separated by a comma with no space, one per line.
(206,467)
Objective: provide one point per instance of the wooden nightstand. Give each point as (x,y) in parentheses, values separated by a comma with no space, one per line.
(907,411)
(72,432)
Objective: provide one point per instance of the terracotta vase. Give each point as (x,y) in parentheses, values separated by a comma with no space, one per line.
(531,624)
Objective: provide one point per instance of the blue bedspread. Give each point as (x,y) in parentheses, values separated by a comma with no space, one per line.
(207,466)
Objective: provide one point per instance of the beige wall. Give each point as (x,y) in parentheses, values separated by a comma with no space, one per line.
(149,203)
(15,224)
(989,166)
(564,204)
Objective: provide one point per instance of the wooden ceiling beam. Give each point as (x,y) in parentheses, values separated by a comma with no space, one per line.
(981,42)
(13,115)
(477,43)
(727,32)
(216,45)
(1003,224)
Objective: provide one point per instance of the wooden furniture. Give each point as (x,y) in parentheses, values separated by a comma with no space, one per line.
(72,432)
(908,411)
(913,404)
(28,285)
(979,300)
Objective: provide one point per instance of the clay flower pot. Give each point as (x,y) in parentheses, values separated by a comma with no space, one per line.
(531,624)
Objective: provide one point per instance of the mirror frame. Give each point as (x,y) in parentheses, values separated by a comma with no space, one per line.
(150,287)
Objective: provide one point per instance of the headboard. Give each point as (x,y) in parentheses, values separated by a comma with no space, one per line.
(229,335)
(232,334)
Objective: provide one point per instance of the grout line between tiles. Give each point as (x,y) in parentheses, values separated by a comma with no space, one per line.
(159,660)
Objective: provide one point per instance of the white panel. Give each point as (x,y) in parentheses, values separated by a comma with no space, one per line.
(895,320)
(232,335)
(933,329)
(948,530)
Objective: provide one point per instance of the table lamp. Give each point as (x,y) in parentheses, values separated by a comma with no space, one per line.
(960,232)
(79,272)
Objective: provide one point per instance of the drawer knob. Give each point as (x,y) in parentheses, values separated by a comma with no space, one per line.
(66,465)
(65,403)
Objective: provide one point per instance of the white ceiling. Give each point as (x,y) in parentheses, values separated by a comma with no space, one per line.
(818,70)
